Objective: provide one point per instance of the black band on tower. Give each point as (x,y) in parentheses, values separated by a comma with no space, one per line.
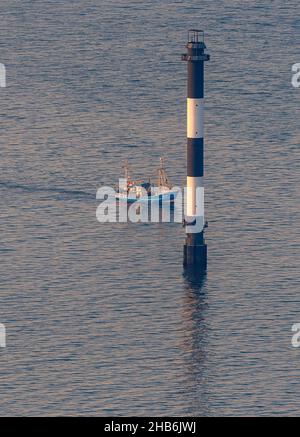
(195,80)
(195,157)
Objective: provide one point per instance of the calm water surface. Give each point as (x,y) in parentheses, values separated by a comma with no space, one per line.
(100,318)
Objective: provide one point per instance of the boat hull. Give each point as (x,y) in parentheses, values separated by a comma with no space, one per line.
(167,197)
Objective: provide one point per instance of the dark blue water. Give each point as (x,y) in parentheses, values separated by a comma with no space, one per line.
(100,318)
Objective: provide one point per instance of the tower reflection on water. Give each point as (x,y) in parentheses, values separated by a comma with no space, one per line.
(196,339)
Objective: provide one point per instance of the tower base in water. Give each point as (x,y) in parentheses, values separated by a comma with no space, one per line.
(195,252)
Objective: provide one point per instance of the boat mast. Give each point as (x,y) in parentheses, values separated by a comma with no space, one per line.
(127,176)
(163,180)
(125,166)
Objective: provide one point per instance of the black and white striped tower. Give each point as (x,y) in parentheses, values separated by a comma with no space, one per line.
(195,249)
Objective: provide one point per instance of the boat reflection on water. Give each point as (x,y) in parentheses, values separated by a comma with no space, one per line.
(150,212)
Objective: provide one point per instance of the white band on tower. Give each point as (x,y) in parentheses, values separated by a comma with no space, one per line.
(195,197)
(195,118)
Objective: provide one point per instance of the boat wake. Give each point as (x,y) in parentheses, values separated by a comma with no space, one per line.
(51,190)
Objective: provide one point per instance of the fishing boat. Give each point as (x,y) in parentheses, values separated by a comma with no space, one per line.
(130,190)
